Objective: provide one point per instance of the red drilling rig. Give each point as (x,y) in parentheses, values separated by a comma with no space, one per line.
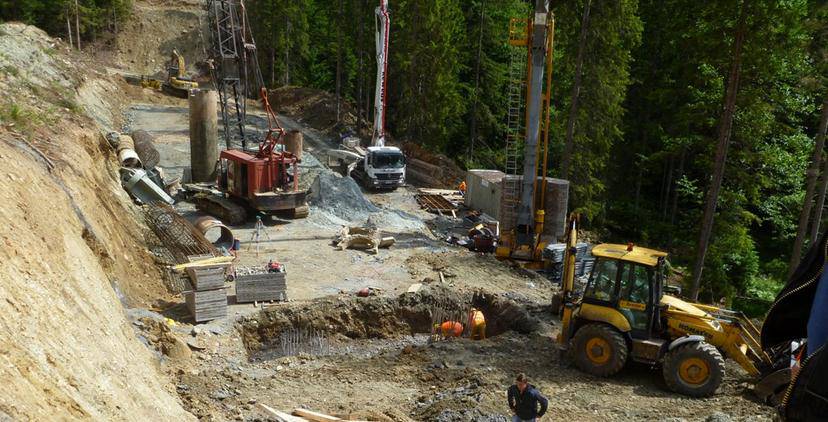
(264,179)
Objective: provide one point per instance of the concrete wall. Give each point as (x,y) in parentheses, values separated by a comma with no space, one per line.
(483,191)
(556,203)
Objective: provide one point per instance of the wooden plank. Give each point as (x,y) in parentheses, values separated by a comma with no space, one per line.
(279,416)
(315,416)
(204,262)
(435,203)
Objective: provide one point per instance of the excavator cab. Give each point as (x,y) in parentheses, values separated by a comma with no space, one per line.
(633,289)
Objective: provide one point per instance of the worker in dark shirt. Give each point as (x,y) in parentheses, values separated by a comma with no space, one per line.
(524,400)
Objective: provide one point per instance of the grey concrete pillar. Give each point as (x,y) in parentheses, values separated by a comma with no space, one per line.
(204,151)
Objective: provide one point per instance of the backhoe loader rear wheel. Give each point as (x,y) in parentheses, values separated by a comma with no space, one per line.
(599,350)
(694,369)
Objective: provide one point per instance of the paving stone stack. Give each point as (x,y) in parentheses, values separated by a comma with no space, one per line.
(207,300)
(261,287)
(554,255)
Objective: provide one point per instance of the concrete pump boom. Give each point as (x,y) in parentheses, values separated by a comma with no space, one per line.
(383,23)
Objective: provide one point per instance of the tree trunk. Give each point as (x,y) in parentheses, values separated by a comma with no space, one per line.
(339,64)
(273,67)
(674,206)
(725,127)
(638,178)
(69,30)
(287,50)
(569,143)
(810,185)
(77,25)
(473,123)
(668,186)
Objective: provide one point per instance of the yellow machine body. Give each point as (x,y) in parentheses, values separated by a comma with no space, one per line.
(686,338)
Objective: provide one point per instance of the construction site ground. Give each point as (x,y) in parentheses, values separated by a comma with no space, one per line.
(141,356)
(389,371)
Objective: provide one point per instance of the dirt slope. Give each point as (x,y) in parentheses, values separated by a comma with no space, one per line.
(72,254)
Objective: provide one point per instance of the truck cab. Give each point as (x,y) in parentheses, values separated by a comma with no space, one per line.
(383,168)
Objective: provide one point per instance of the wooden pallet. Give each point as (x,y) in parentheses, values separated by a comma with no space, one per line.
(206,305)
(261,287)
(436,203)
(451,194)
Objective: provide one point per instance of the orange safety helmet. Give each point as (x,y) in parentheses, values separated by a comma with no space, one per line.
(451,329)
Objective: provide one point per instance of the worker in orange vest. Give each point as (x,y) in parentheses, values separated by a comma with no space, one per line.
(477,324)
(462,188)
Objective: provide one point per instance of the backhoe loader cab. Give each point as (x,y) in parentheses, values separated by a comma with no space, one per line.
(624,315)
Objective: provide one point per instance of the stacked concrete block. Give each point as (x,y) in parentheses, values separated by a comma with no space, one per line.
(207,300)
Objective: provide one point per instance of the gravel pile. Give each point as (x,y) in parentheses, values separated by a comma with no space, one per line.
(338,201)
(340,197)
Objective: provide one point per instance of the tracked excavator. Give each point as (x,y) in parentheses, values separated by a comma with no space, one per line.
(178,84)
(256,172)
(623,315)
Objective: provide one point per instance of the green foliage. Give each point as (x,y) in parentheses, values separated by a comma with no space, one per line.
(614,30)
(21,118)
(50,15)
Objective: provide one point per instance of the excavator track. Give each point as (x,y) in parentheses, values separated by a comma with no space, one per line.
(222,208)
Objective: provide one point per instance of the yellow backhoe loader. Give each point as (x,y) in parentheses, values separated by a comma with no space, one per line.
(177,83)
(624,315)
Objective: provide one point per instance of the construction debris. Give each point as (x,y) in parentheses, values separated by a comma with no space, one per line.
(137,182)
(180,237)
(362,238)
(145,147)
(437,204)
(215,231)
(299,415)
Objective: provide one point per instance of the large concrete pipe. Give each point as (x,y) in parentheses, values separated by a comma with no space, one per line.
(215,231)
(293,143)
(204,151)
(126,153)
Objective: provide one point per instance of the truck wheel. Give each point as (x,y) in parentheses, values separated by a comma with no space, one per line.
(600,350)
(694,369)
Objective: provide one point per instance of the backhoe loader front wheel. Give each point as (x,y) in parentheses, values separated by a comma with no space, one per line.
(599,350)
(694,369)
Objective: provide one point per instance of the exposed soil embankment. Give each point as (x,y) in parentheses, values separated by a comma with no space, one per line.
(72,253)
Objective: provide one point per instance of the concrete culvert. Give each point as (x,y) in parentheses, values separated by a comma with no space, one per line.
(215,231)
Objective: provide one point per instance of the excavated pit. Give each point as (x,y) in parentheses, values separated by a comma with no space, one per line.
(368,325)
